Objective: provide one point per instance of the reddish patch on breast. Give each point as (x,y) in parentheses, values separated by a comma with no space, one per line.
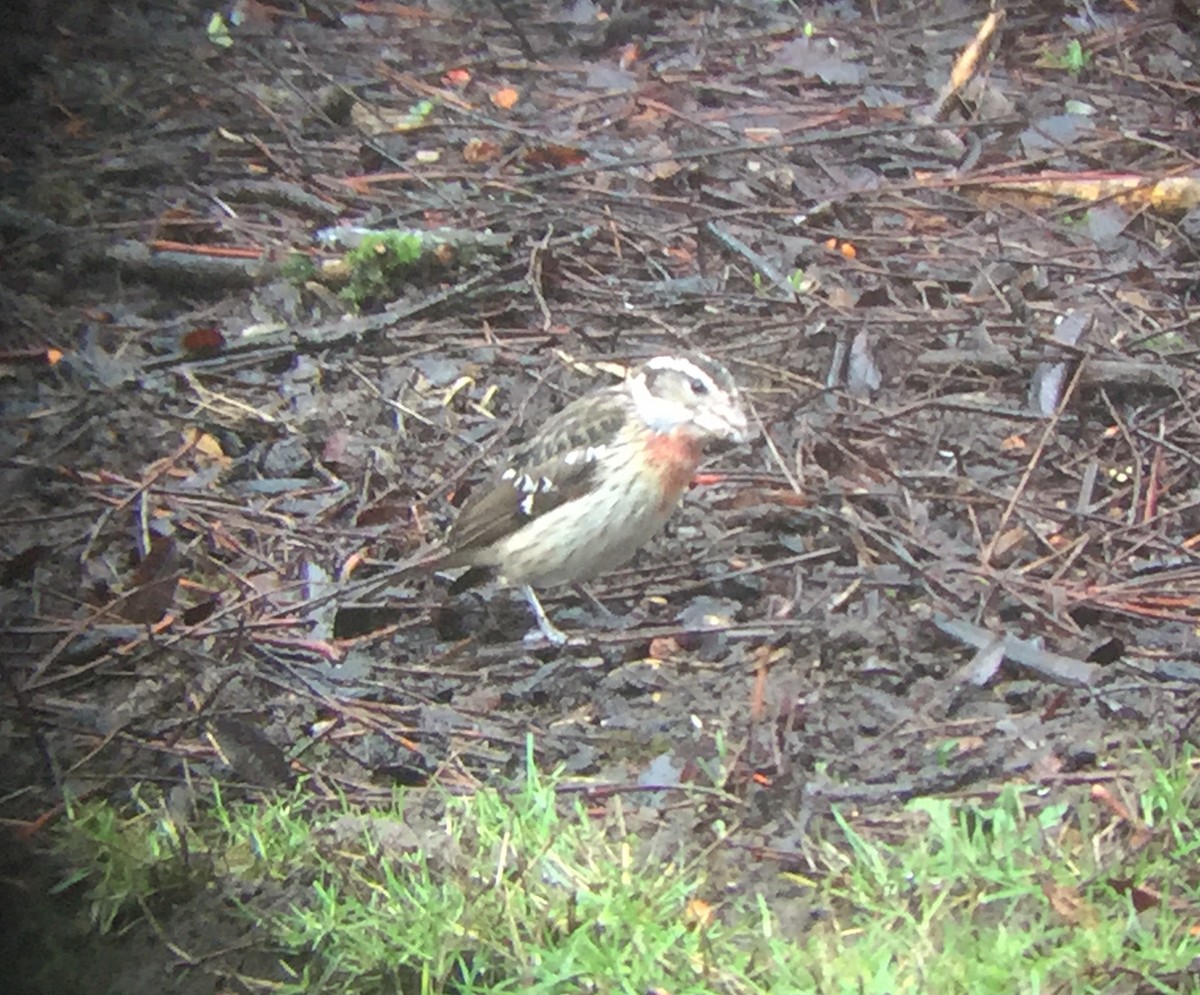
(675,455)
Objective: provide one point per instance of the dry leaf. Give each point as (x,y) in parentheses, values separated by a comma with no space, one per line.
(1171,193)
(1134,298)
(206,445)
(199,612)
(663,648)
(1008,541)
(23,565)
(479,150)
(206,341)
(254,758)
(750,497)
(844,249)
(665,170)
(842,298)
(698,912)
(1103,796)
(153,583)
(1142,896)
(557,156)
(764,134)
(863,376)
(1069,905)
(505,98)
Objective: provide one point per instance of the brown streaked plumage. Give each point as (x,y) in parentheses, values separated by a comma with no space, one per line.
(598,480)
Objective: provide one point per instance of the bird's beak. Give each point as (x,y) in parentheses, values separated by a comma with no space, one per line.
(739,426)
(728,421)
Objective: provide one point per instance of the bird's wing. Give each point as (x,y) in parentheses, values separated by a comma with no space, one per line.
(559,464)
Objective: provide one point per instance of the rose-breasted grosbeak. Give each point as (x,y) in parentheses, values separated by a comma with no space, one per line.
(597,481)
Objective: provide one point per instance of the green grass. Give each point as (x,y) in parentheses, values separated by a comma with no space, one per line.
(123,855)
(527,891)
(380,264)
(1071,57)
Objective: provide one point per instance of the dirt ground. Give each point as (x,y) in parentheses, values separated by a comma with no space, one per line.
(959,552)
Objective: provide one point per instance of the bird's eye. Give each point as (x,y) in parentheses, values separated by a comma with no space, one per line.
(699,387)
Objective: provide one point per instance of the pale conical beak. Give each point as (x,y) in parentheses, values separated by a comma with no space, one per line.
(739,426)
(726,422)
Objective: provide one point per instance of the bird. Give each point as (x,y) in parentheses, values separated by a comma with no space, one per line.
(595,482)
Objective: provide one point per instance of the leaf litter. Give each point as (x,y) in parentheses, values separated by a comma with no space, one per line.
(959,305)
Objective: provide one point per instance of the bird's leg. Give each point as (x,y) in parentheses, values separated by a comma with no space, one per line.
(548,628)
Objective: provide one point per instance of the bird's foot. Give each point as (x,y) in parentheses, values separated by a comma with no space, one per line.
(545,628)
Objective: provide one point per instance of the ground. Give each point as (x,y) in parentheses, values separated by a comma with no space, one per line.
(959,551)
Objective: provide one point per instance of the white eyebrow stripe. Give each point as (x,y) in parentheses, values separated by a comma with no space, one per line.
(681,364)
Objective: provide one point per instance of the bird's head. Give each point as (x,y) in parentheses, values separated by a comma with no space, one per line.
(691,392)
